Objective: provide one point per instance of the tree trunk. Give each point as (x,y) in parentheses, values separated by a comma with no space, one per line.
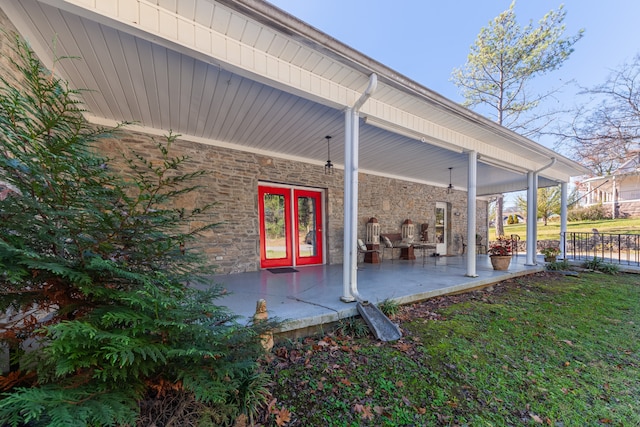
(499,215)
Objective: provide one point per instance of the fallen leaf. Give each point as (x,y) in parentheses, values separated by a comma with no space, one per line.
(567,342)
(241,421)
(367,414)
(535,418)
(283,417)
(403,347)
(271,406)
(364,411)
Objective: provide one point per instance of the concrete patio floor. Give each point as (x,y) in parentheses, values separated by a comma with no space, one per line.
(310,297)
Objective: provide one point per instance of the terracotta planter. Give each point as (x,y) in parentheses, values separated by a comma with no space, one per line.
(500,262)
(550,259)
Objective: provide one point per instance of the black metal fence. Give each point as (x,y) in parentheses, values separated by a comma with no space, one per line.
(613,248)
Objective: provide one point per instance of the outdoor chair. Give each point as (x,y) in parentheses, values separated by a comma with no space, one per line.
(387,245)
(362,249)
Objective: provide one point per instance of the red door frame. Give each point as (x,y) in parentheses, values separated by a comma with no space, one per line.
(291,227)
(275,262)
(317,196)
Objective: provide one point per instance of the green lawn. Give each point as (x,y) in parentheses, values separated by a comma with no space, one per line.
(543,350)
(552,230)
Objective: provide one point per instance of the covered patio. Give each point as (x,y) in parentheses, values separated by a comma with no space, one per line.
(308,298)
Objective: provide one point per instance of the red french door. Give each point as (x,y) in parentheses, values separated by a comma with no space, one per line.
(290,226)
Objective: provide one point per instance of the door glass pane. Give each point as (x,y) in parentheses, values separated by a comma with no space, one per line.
(440,225)
(274,224)
(307,244)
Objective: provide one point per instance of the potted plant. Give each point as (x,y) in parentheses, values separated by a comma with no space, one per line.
(500,253)
(550,253)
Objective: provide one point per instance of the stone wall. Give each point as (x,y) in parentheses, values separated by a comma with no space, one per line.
(393,201)
(232,183)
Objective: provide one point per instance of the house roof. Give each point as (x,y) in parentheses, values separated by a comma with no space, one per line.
(244,74)
(630,167)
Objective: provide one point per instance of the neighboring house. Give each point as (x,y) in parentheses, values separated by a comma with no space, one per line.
(254,93)
(619,192)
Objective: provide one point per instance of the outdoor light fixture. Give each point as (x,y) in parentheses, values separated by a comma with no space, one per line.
(450,187)
(328,167)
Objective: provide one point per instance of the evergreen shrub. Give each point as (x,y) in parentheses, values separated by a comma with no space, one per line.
(94,274)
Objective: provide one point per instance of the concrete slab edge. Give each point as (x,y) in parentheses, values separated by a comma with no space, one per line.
(351,310)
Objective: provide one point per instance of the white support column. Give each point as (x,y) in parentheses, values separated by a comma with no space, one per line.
(614,197)
(355,165)
(563,218)
(532,191)
(351,165)
(534,242)
(471,213)
(349,264)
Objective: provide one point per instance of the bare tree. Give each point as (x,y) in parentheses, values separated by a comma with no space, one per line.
(607,127)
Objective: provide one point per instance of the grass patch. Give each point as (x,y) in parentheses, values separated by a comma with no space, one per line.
(546,349)
(389,307)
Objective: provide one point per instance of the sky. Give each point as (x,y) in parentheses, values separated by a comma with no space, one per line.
(426,39)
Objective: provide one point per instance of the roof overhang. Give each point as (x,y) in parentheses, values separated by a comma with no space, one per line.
(245,75)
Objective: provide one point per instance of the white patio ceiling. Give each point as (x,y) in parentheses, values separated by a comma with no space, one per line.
(245,75)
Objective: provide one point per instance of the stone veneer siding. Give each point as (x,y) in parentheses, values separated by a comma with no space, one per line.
(232,183)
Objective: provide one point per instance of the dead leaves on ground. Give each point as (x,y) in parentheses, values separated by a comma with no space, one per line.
(331,361)
(282,415)
(365,412)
